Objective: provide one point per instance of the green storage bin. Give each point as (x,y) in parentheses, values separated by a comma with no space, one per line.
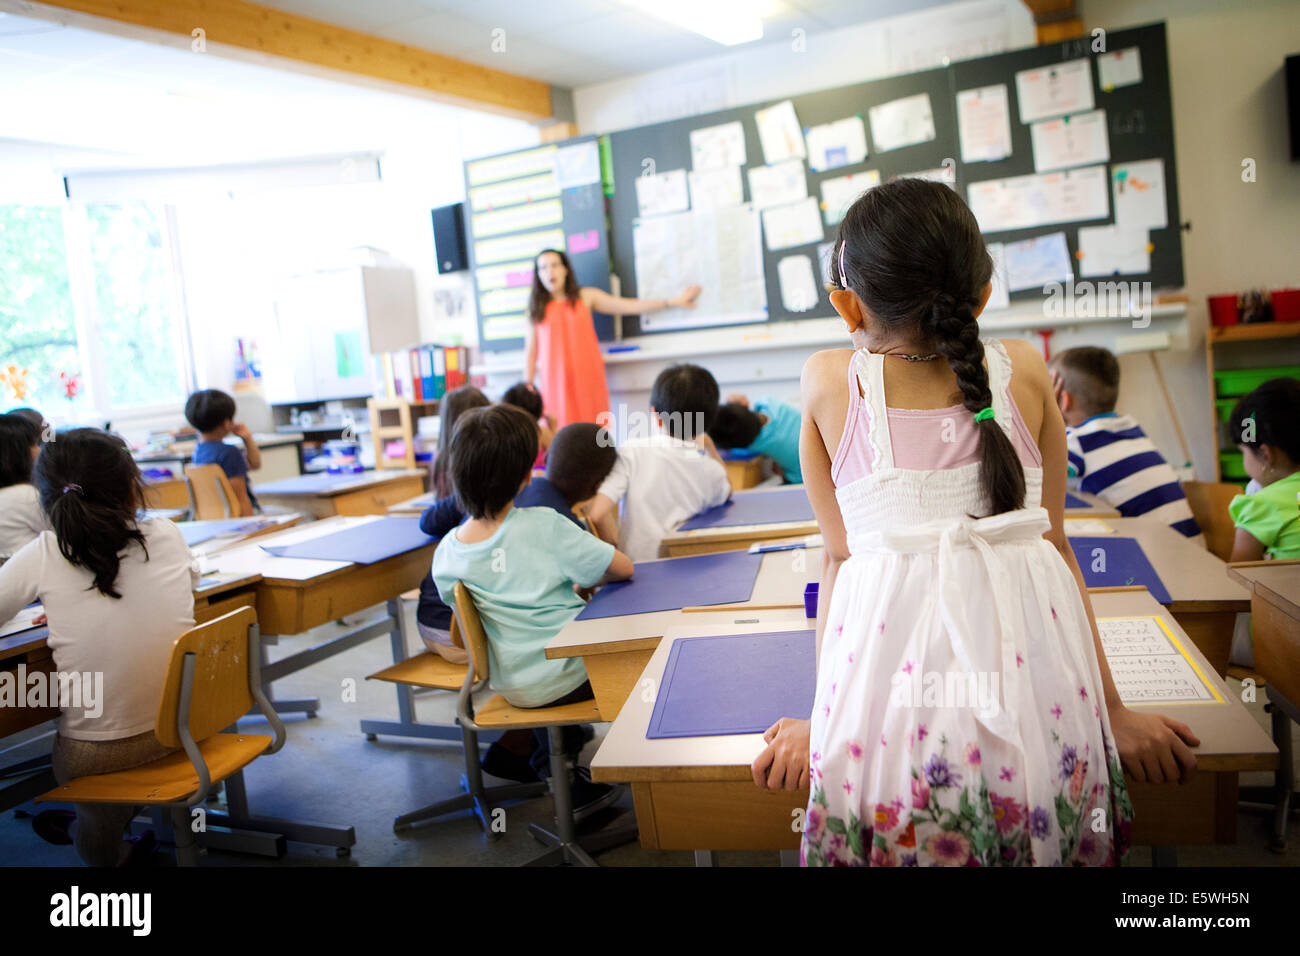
(1240,381)
(1231,467)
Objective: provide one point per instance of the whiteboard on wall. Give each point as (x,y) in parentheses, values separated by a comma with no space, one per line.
(718,249)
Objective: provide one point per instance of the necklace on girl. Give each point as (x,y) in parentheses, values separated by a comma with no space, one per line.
(916,358)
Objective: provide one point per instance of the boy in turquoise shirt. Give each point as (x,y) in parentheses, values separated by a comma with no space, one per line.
(522,566)
(770,428)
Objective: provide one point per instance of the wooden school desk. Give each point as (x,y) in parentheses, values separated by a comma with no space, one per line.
(696,793)
(736,537)
(235,531)
(1274,621)
(1093,507)
(1203,599)
(615,650)
(323,495)
(412,507)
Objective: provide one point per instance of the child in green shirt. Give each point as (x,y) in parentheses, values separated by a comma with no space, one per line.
(1266,424)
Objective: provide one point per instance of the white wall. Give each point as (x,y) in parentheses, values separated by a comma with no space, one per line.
(1225,64)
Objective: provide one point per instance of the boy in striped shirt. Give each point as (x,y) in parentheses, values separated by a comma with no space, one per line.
(1109,454)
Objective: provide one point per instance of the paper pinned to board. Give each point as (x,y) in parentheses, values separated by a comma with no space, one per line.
(831,145)
(1039,199)
(1000,297)
(902,122)
(1037,262)
(1078,140)
(797,224)
(711,188)
(984,124)
(1149,665)
(718,147)
(779,133)
(1054,90)
(662,193)
(1114,250)
(777,185)
(577,165)
(798,283)
(839,194)
(1121,68)
(1139,191)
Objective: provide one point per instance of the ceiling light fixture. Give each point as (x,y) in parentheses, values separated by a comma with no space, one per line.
(728,22)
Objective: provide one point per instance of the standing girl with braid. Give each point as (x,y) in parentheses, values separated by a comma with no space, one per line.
(964,713)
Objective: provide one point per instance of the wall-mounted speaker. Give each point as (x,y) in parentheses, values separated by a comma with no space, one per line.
(449,238)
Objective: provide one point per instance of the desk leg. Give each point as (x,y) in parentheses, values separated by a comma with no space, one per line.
(305,705)
(406,725)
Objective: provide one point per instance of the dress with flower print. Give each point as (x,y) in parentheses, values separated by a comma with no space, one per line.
(959,718)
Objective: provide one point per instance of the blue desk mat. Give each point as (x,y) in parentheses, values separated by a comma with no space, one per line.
(312,484)
(365,544)
(758,507)
(1073,502)
(196,532)
(694,581)
(1126,565)
(735,684)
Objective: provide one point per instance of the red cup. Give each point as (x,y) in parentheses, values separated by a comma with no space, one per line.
(1286,305)
(1223,310)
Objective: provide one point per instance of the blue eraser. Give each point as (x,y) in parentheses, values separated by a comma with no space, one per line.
(622,348)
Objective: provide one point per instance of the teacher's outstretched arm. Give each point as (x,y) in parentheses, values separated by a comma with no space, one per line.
(598,300)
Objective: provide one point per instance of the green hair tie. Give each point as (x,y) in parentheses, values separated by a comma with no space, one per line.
(984,414)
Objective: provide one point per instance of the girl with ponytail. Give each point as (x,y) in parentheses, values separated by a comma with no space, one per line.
(964,713)
(117,592)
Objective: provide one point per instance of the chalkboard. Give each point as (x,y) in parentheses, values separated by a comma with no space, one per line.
(1139,121)
(519,203)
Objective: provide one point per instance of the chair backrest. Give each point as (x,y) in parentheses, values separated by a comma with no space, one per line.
(471,631)
(1209,504)
(214,498)
(167,493)
(222,691)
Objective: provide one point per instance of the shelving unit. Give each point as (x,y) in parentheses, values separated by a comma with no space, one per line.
(392,419)
(1237,334)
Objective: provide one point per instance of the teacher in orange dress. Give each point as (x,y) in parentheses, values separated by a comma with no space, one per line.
(561,348)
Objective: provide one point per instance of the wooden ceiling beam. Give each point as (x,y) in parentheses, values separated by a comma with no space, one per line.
(235,25)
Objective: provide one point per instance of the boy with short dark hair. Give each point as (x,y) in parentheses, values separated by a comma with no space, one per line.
(768,428)
(669,476)
(521,565)
(212,412)
(582,456)
(1109,454)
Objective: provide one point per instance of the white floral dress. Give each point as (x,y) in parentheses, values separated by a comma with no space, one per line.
(959,717)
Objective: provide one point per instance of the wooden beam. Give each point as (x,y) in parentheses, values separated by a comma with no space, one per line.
(1059,30)
(262,30)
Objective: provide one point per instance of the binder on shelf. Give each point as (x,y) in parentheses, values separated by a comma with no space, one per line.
(417,389)
(439,371)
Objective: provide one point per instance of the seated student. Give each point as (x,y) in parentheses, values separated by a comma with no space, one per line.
(212,414)
(582,456)
(453,404)
(117,593)
(770,428)
(32,415)
(522,395)
(667,477)
(522,566)
(1266,424)
(21,517)
(1109,454)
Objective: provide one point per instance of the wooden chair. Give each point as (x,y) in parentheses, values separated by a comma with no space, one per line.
(214,498)
(430,670)
(500,714)
(213,678)
(1209,503)
(169,494)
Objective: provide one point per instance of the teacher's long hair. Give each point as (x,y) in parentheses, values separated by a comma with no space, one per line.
(539,298)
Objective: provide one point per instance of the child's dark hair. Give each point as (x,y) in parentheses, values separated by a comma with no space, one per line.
(911,250)
(90,489)
(735,426)
(1090,375)
(206,410)
(686,398)
(492,452)
(453,405)
(31,414)
(18,436)
(581,457)
(1274,410)
(521,396)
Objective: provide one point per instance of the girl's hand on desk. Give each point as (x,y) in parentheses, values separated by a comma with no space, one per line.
(1152,748)
(783,764)
(40,620)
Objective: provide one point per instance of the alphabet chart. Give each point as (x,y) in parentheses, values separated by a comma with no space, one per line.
(1149,664)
